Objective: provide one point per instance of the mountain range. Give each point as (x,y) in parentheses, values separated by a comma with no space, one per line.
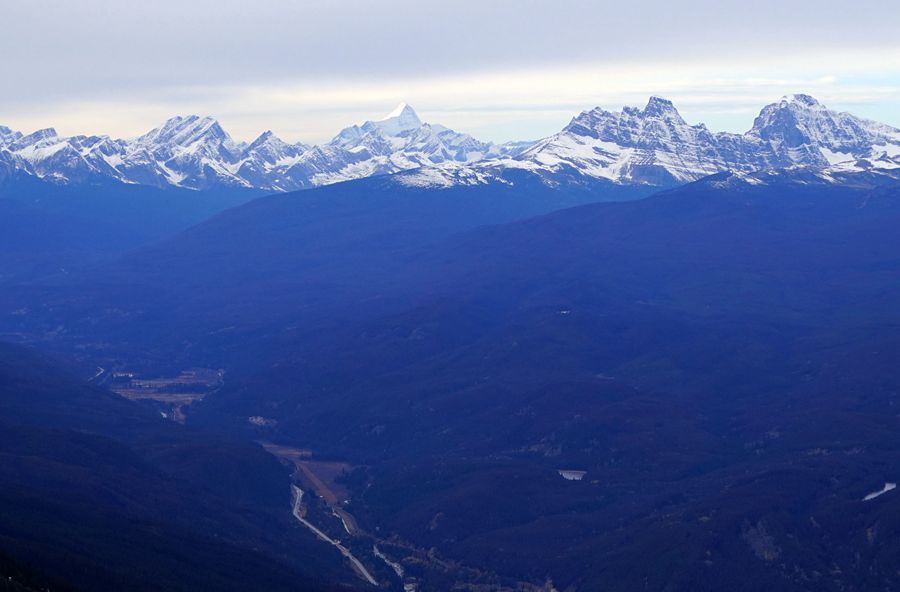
(651,146)
(197,153)
(655,146)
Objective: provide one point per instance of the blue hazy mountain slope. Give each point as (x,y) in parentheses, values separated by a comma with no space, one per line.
(46,228)
(277,258)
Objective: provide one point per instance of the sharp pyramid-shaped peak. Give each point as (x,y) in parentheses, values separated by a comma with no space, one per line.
(403,110)
(272,148)
(402,118)
(267,137)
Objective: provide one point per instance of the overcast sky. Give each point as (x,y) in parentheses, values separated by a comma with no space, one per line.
(501,70)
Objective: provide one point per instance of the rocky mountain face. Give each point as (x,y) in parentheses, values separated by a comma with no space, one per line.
(799,130)
(652,146)
(655,145)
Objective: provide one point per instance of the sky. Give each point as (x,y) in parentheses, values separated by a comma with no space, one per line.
(500,70)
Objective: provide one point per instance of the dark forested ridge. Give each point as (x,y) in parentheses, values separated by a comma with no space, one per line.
(262,266)
(718,359)
(98,494)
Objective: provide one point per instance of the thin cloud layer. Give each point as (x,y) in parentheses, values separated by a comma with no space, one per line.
(503,69)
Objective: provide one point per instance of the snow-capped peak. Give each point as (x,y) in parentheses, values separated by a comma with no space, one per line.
(185,131)
(263,137)
(267,138)
(802,130)
(8,135)
(398,111)
(272,149)
(400,121)
(660,107)
(41,136)
(403,118)
(801,99)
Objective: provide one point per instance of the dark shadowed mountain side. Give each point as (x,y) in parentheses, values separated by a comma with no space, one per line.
(15,577)
(211,292)
(47,228)
(98,493)
(720,360)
